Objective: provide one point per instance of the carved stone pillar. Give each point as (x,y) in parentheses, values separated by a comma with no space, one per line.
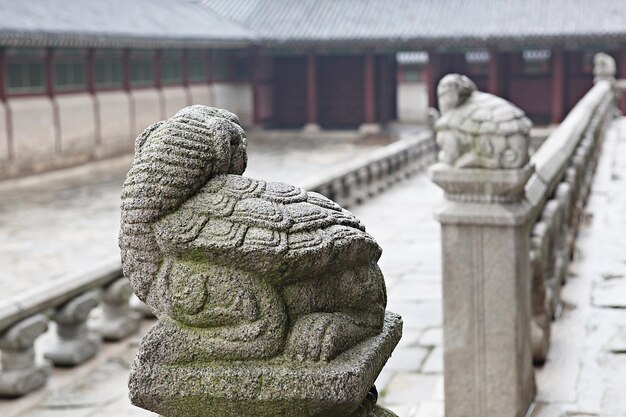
(485,235)
(75,343)
(19,371)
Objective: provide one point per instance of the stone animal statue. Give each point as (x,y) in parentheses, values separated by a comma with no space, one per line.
(603,67)
(237,268)
(479,130)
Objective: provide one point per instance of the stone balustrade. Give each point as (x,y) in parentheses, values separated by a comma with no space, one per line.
(69,301)
(509,223)
(557,193)
(365,177)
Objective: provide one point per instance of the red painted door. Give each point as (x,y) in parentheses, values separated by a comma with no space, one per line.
(341,91)
(290,97)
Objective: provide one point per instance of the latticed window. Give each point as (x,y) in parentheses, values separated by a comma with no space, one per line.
(70,69)
(25,71)
(171,67)
(197,65)
(536,61)
(477,62)
(108,69)
(229,65)
(412,64)
(142,68)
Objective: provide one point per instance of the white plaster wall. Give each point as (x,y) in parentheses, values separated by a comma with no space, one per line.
(33,128)
(147,108)
(412,102)
(174,98)
(77,122)
(4,139)
(115,124)
(201,94)
(236,98)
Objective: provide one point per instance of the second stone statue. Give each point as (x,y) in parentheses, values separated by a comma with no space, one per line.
(269,298)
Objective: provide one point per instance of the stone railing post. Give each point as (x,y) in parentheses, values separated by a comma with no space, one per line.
(119,319)
(19,371)
(75,343)
(485,236)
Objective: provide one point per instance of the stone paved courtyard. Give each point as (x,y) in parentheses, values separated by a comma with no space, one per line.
(585,374)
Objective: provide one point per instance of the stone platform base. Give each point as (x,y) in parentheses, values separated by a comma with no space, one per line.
(274,387)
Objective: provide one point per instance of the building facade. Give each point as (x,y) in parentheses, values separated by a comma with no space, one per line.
(80,79)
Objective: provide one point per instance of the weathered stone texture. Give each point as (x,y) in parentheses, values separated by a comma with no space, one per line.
(479,130)
(485,246)
(254,282)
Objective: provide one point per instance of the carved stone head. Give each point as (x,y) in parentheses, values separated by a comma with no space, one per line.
(453,90)
(603,67)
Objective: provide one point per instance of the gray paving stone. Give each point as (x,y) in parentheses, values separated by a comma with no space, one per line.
(434,362)
(430,409)
(413,388)
(432,337)
(407,359)
(610,294)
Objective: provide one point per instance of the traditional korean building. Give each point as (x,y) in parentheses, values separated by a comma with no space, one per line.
(80,78)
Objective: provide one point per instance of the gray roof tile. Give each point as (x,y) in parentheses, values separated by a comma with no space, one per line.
(116,23)
(427,22)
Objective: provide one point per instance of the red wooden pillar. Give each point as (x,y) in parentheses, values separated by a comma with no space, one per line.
(7,108)
(126,69)
(256,86)
(209,67)
(370,105)
(185,73)
(558,80)
(157,58)
(91,70)
(3,94)
(91,88)
(430,77)
(49,63)
(127,87)
(185,67)
(56,117)
(621,74)
(493,80)
(311,90)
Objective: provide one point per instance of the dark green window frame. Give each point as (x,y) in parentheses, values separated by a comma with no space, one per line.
(25,71)
(142,68)
(108,71)
(69,69)
(197,66)
(231,65)
(171,67)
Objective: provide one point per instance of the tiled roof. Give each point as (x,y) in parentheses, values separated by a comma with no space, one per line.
(425,23)
(116,23)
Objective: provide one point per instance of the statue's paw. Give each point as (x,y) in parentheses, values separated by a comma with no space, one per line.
(313,338)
